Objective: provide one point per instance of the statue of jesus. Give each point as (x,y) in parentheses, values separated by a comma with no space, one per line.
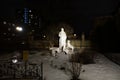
(62,39)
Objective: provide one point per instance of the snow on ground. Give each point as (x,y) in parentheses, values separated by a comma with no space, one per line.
(102,69)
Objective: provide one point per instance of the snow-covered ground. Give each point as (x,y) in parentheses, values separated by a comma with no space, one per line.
(102,69)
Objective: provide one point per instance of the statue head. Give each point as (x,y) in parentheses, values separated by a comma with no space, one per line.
(62,29)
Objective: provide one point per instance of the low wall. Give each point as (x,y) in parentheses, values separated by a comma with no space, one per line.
(79,43)
(47,44)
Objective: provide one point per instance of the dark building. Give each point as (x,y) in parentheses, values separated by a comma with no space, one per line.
(26,18)
(105,34)
(30,20)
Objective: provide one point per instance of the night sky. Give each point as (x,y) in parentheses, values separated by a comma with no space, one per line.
(73,7)
(77,12)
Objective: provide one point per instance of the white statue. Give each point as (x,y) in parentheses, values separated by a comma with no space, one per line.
(69,46)
(62,39)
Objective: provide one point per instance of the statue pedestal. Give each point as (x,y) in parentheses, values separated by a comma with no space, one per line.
(54,50)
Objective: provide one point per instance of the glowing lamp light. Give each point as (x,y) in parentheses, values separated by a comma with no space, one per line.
(14,60)
(19,28)
(74,34)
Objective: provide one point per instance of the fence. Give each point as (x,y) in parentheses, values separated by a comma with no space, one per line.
(20,70)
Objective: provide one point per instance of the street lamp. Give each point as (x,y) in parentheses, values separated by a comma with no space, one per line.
(14,60)
(18,28)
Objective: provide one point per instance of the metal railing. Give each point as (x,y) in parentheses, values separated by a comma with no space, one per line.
(21,70)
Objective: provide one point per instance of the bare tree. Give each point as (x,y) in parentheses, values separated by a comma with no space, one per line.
(76,67)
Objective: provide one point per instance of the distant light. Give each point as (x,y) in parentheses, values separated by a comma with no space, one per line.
(13,34)
(4,33)
(9,29)
(14,60)
(29,21)
(74,34)
(8,38)
(44,36)
(4,22)
(23,43)
(19,28)
(13,24)
(33,30)
(30,11)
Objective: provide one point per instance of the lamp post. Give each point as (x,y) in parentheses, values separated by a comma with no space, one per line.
(25,51)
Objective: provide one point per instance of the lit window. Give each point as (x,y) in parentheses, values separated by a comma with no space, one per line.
(35,23)
(74,34)
(44,36)
(13,24)
(33,30)
(13,34)
(30,11)
(9,29)
(29,21)
(4,33)
(31,16)
(4,22)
